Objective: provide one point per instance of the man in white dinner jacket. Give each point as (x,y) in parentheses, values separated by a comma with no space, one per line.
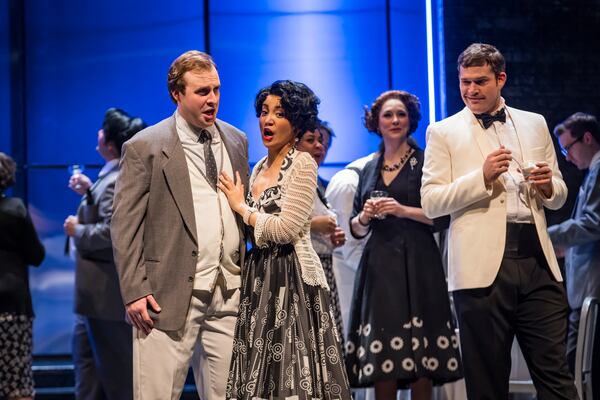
(493,169)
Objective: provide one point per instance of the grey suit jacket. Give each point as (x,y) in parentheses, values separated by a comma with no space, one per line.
(155,238)
(97,291)
(581,235)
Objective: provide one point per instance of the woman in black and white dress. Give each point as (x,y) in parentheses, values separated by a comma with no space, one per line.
(284,345)
(401,331)
(20,247)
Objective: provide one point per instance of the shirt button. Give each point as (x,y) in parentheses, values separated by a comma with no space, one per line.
(501,201)
(194,253)
(190,279)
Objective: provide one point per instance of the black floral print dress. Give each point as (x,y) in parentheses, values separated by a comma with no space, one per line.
(401,327)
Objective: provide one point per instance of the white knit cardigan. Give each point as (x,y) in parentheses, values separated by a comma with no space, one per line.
(298,184)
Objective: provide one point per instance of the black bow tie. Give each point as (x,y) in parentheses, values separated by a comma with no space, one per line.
(487,119)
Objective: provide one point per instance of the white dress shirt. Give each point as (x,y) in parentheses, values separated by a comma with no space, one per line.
(517,208)
(321,242)
(215,221)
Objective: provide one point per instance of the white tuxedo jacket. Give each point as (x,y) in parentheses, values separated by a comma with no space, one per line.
(453,184)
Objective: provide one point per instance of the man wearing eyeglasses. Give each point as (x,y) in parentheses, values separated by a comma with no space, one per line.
(579,236)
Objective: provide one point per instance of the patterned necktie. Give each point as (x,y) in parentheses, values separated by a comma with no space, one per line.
(209,159)
(487,119)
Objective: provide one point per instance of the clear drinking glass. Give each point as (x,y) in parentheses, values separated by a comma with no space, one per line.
(536,155)
(377,195)
(76,169)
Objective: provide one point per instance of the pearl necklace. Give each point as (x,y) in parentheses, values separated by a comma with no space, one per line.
(396,166)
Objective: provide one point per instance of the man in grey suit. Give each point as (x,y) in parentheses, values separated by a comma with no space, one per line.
(101,337)
(177,243)
(579,236)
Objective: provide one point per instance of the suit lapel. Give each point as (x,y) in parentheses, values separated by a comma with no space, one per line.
(239,163)
(178,180)
(478,133)
(96,184)
(525,136)
(236,155)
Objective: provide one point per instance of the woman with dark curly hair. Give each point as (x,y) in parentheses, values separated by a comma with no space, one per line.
(19,247)
(401,332)
(285,345)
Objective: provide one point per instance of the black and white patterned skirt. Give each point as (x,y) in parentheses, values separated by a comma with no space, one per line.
(16,378)
(326,263)
(286,343)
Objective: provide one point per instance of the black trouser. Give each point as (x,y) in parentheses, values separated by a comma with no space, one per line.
(573,331)
(103,359)
(524,300)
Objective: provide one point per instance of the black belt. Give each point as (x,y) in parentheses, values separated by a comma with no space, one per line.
(521,241)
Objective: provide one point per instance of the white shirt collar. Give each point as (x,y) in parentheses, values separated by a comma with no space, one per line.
(183,126)
(501,105)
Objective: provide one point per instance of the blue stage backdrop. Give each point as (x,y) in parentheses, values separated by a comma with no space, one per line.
(4,79)
(337,48)
(83,57)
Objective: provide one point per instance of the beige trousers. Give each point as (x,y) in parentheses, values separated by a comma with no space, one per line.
(161,359)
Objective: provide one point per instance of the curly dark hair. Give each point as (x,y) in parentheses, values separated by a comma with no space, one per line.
(8,169)
(322,126)
(298,101)
(410,101)
(119,127)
